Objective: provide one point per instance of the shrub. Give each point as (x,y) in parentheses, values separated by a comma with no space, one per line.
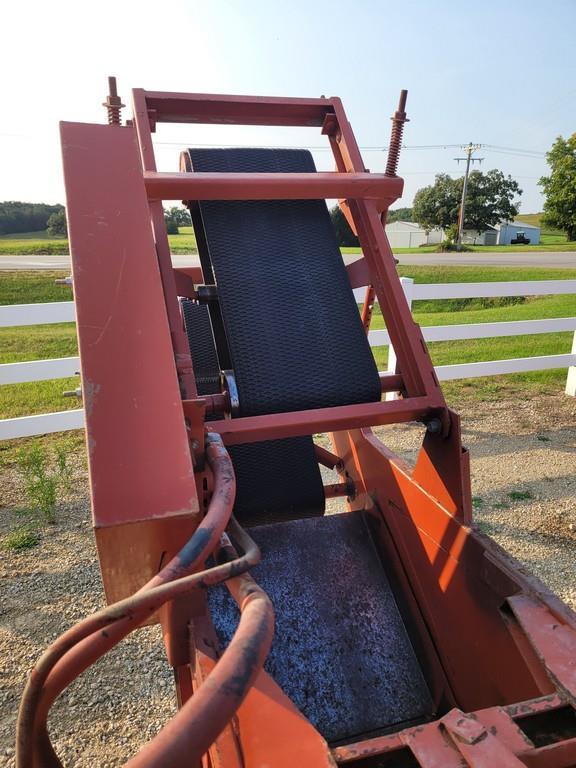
(41,481)
(57,224)
(450,245)
(23,537)
(171,225)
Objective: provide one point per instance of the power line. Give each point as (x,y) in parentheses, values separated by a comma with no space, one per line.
(514,151)
(498,148)
(469,149)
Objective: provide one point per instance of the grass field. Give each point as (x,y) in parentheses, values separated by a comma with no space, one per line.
(50,341)
(185,242)
(40,242)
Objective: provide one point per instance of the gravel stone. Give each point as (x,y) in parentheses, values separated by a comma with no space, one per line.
(526,446)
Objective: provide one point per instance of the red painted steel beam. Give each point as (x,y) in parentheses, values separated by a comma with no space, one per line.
(271,186)
(275,426)
(245,110)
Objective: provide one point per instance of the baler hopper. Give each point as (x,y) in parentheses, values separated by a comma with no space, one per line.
(386,633)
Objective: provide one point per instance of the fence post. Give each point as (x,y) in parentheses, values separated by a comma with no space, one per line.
(571,378)
(408,288)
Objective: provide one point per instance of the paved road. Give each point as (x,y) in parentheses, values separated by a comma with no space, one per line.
(565,259)
(53,261)
(551,259)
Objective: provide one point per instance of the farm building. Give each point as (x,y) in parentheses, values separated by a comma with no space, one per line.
(488,236)
(408,234)
(514,230)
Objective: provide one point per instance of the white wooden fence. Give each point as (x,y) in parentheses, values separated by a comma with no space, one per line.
(63,312)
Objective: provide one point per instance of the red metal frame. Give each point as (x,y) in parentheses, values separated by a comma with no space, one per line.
(488,636)
(351,181)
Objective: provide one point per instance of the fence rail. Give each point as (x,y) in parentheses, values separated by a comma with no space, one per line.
(64,312)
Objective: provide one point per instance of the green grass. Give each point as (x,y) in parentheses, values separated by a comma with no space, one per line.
(532,218)
(50,341)
(35,342)
(24,537)
(185,242)
(32,287)
(17,247)
(40,235)
(520,495)
(461,311)
(42,243)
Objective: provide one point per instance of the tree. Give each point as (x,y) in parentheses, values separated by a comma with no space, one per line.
(560,187)
(344,235)
(437,205)
(179,214)
(491,198)
(399,214)
(57,224)
(16,216)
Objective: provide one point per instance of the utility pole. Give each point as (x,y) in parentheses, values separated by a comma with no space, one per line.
(469,149)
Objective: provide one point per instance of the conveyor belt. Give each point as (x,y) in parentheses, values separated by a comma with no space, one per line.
(292,325)
(202,348)
(266,488)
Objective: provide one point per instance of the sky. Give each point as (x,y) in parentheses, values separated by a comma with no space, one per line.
(502,74)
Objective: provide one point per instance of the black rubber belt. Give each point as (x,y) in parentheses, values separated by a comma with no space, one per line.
(292,324)
(265,471)
(202,348)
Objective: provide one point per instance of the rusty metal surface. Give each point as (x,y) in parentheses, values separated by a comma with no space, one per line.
(190,733)
(341,651)
(113,103)
(489,738)
(88,640)
(553,639)
(67,656)
(398,120)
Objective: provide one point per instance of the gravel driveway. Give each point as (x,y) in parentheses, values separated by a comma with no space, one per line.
(524,487)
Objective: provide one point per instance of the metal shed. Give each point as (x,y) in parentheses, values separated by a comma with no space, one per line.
(513,230)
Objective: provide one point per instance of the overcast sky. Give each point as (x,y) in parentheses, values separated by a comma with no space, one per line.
(497,73)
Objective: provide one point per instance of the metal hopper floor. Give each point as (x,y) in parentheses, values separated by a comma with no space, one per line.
(341,651)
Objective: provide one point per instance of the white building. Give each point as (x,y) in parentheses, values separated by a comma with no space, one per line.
(472,237)
(514,230)
(407,234)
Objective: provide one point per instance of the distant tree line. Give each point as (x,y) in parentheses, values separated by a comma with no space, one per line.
(344,235)
(25,217)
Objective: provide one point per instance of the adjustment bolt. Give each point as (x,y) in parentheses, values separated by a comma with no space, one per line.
(434,426)
(113,103)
